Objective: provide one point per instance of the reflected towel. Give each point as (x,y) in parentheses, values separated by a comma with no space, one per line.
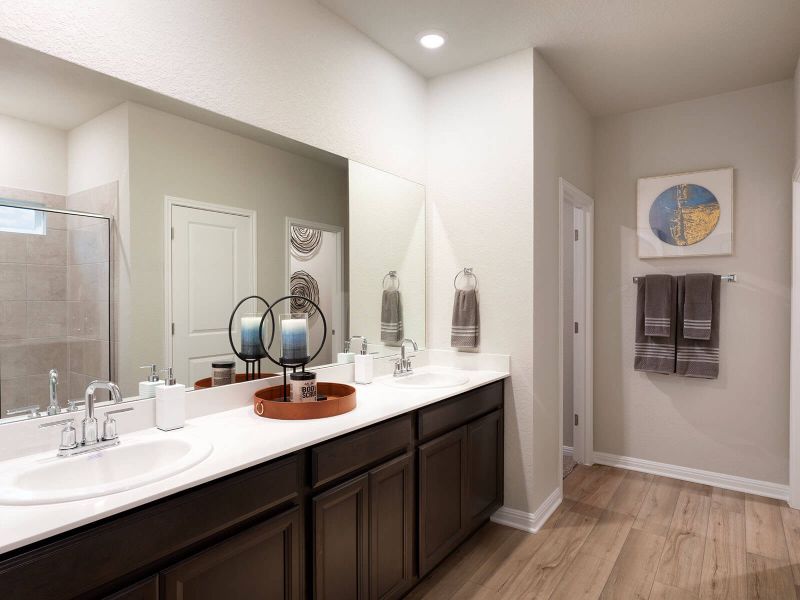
(699,358)
(659,305)
(697,306)
(391,317)
(466,327)
(653,354)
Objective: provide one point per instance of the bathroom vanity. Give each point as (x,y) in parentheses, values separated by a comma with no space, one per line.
(361,515)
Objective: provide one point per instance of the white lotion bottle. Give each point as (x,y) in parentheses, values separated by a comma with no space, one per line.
(170,403)
(147,389)
(364,365)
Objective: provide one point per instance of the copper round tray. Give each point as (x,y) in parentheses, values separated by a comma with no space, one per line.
(202,384)
(341,398)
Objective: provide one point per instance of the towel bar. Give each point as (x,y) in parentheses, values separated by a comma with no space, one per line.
(730,277)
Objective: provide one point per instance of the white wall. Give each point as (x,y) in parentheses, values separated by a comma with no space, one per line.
(737,424)
(480,215)
(32,156)
(289,66)
(562,148)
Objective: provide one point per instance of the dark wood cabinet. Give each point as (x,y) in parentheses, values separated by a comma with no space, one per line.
(341,541)
(485,467)
(442,497)
(146,589)
(261,562)
(391,528)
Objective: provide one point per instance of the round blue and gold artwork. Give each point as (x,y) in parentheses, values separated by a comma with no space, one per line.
(684,214)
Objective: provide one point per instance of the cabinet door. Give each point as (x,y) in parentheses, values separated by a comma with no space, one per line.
(341,541)
(391,528)
(261,562)
(147,589)
(485,470)
(442,496)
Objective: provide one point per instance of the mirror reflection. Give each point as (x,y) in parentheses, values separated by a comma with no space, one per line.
(131,225)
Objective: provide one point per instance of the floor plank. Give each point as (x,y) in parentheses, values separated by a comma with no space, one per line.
(791,528)
(764,528)
(609,534)
(661,591)
(725,561)
(633,573)
(630,494)
(768,578)
(658,506)
(598,493)
(585,578)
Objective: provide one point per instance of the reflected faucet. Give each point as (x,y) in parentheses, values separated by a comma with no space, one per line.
(403,366)
(53,408)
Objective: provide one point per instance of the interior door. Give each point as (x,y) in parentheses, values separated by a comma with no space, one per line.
(213,268)
(579,340)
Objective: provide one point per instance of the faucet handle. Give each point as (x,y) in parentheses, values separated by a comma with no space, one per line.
(32,410)
(110,425)
(69,436)
(73,405)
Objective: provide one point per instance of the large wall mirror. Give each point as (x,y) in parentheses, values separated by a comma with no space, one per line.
(132,224)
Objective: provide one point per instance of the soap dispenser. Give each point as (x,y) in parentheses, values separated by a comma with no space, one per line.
(363,364)
(347,356)
(147,389)
(170,403)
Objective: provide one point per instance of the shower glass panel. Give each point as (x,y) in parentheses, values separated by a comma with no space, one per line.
(55,305)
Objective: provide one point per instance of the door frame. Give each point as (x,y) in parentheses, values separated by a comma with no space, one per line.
(337,320)
(169,203)
(570,196)
(794,356)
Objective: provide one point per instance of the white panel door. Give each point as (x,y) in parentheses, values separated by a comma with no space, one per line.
(213,268)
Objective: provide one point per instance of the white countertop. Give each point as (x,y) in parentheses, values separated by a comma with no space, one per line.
(241,440)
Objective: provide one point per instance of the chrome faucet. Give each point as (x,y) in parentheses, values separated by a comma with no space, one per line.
(90,441)
(403,365)
(53,408)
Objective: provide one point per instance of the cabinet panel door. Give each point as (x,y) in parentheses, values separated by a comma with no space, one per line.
(147,589)
(442,497)
(341,541)
(261,562)
(485,470)
(391,528)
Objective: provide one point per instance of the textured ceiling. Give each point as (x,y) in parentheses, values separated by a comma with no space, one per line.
(615,55)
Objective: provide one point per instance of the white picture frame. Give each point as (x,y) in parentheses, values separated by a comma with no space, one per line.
(685,214)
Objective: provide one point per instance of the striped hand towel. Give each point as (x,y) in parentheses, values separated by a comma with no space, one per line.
(391,317)
(466,327)
(697,306)
(699,358)
(653,354)
(659,305)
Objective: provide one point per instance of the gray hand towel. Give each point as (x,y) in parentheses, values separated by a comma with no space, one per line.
(699,358)
(653,354)
(391,317)
(659,305)
(466,328)
(697,306)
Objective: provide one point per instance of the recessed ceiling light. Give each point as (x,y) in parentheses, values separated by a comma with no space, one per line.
(432,39)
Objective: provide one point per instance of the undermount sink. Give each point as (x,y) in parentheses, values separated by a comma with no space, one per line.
(429,380)
(135,462)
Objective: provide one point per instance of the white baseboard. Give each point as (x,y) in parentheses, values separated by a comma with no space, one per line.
(530,522)
(720,480)
(567,450)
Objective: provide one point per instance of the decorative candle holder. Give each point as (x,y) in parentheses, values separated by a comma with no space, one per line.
(294,338)
(252,348)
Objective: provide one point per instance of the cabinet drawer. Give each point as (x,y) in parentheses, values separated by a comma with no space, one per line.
(149,536)
(335,459)
(449,414)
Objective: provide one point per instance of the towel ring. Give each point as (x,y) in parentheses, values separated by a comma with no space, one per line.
(467,272)
(391,275)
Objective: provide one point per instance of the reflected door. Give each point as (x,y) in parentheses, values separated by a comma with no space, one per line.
(213,267)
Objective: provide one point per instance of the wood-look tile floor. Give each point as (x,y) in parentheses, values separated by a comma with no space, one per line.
(628,535)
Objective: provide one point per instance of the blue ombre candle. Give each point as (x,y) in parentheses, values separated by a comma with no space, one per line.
(294,337)
(251,339)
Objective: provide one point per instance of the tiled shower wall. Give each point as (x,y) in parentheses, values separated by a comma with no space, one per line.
(54,301)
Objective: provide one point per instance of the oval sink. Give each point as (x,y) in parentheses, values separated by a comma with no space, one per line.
(135,462)
(429,380)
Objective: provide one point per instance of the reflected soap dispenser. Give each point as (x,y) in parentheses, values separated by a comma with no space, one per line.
(147,389)
(170,403)
(347,356)
(364,365)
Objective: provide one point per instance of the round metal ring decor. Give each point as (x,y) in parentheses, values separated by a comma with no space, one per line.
(279,362)
(242,357)
(303,285)
(305,240)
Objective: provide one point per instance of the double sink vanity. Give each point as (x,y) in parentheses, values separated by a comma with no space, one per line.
(361,505)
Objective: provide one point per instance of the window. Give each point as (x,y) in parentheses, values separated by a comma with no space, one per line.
(22,217)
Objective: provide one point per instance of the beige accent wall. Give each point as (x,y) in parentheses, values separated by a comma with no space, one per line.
(737,424)
(797,121)
(562,148)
